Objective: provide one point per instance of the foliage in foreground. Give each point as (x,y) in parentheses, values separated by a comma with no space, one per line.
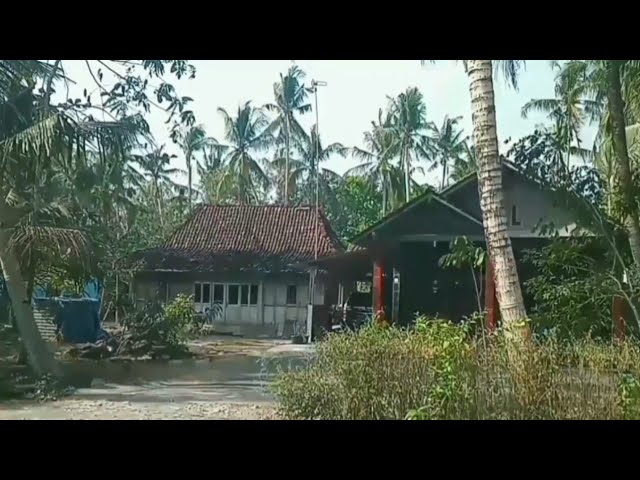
(161,330)
(438,371)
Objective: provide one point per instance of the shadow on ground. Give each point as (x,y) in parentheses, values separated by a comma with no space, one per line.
(234,378)
(233,385)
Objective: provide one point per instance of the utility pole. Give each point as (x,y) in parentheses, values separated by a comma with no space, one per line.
(312,274)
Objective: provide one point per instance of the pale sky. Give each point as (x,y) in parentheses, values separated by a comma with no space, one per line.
(355,90)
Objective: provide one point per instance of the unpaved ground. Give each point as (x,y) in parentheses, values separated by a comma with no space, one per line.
(233,386)
(74,409)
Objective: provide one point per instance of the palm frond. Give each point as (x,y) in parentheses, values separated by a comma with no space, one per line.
(52,242)
(38,137)
(362,155)
(13,72)
(359,170)
(510,70)
(542,105)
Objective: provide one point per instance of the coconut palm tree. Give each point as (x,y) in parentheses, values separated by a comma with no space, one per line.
(156,168)
(290,99)
(611,83)
(485,137)
(25,138)
(49,170)
(448,145)
(212,171)
(409,124)
(191,141)
(466,164)
(381,147)
(570,111)
(616,108)
(15,72)
(483,110)
(310,153)
(246,134)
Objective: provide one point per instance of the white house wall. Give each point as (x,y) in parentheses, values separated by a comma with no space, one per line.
(533,205)
(276,310)
(271,312)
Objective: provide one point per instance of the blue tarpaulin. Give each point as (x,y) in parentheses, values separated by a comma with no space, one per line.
(92,289)
(78,319)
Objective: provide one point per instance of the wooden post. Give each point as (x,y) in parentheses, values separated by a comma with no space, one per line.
(378,287)
(490,300)
(619,310)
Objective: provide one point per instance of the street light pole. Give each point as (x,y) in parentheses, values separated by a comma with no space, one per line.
(315,84)
(312,274)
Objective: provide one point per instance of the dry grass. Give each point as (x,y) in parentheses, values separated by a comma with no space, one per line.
(438,371)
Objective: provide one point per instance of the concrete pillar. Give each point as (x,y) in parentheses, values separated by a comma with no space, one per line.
(260,303)
(395,297)
(490,299)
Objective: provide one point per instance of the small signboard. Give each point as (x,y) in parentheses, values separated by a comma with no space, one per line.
(363,287)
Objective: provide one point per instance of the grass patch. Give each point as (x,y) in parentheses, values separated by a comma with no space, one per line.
(440,371)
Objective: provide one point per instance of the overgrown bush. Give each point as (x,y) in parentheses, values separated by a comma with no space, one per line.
(161,329)
(439,371)
(572,290)
(181,314)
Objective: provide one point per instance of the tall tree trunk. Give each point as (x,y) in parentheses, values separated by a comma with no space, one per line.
(39,357)
(384,198)
(623,170)
(407,186)
(494,219)
(286,160)
(444,172)
(190,181)
(160,209)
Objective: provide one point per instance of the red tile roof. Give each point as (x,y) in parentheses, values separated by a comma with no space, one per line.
(245,237)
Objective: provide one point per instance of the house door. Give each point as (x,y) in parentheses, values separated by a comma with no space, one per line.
(242,303)
(209,300)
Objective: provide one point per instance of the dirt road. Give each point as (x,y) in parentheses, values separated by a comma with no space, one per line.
(233,386)
(75,409)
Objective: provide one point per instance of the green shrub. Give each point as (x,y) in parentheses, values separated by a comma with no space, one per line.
(170,325)
(566,301)
(182,314)
(438,370)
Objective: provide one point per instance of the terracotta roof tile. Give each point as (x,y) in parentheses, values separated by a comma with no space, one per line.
(245,237)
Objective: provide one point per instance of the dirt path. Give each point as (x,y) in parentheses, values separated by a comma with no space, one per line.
(232,386)
(74,409)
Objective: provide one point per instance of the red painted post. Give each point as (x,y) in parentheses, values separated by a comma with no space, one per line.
(490,300)
(378,286)
(619,311)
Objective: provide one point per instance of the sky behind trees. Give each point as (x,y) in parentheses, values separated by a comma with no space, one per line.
(355,90)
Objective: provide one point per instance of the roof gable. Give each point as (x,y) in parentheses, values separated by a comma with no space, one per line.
(428,213)
(538,211)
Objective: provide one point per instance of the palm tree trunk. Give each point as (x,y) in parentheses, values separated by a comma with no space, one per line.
(189,173)
(39,356)
(159,200)
(508,289)
(444,172)
(384,198)
(286,161)
(405,162)
(623,170)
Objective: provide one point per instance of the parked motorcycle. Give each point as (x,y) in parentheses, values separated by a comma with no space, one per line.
(353,314)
